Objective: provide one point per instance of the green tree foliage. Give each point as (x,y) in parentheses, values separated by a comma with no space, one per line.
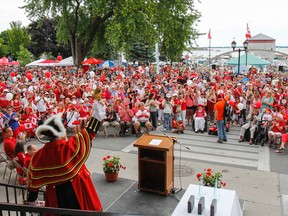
(88,23)
(17,36)
(43,38)
(3,47)
(24,56)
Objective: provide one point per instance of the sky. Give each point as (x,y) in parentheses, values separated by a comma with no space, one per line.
(227,19)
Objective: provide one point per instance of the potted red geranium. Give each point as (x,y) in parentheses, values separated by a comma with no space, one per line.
(209,178)
(111,167)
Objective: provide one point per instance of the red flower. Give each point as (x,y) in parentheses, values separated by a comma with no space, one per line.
(108,156)
(208,173)
(124,167)
(224,184)
(209,170)
(199,176)
(111,164)
(104,158)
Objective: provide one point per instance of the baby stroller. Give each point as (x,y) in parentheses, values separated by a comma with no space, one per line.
(261,133)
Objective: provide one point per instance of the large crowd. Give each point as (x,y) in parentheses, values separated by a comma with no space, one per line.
(134,98)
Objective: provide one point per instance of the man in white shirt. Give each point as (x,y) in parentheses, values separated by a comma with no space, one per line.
(142,116)
(41,103)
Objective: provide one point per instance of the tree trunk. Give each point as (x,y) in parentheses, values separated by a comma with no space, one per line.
(76,50)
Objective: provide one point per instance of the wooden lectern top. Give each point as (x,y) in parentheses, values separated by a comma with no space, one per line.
(155,141)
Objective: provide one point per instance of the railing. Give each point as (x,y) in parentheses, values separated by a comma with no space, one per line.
(14,205)
(24,209)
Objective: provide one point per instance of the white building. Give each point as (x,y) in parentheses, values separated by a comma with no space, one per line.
(262,42)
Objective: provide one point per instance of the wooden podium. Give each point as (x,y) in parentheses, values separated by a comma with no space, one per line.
(155,163)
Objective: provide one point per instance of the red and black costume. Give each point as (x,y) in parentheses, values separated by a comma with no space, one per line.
(67,180)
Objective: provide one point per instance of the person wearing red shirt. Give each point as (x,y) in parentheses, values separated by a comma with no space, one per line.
(20,157)
(31,150)
(3,101)
(199,118)
(9,142)
(276,130)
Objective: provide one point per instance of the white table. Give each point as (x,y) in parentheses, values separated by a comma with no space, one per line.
(227,202)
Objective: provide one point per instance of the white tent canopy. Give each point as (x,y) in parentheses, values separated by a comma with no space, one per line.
(65,62)
(35,63)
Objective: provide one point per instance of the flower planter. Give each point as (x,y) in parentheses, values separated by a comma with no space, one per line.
(111,177)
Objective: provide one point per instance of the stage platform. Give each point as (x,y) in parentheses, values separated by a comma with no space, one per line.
(124,197)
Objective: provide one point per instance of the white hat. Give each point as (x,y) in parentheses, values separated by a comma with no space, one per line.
(279,116)
(168,95)
(52,128)
(175,94)
(5,90)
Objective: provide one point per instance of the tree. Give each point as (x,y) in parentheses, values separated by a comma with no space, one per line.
(17,36)
(24,56)
(88,23)
(43,38)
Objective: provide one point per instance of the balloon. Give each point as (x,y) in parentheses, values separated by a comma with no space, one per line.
(92,74)
(189,82)
(240,106)
(283,101)
(59,58)
(14,79)
(9,96)
(29,76)
(48,74)
(12,74)
(3,85)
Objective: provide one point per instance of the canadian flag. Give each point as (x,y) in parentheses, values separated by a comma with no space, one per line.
(248,33)
(34,120)
(141,70)
(209,34)
(28,125)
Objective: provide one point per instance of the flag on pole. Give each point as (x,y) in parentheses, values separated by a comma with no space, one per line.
(248,33)
(209,34)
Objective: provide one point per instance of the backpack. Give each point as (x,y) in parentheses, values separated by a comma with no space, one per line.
(226,109)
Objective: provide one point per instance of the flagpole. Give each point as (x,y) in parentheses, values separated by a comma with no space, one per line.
(209,54)
(209,57)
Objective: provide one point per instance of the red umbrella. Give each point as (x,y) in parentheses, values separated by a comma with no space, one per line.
(92,61)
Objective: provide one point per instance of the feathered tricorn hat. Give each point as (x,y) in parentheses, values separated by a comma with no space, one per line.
(97,93)
(52,128)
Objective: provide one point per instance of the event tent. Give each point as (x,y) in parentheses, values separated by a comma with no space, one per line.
(5,61)
(251,60)
(35,63)
(65,62)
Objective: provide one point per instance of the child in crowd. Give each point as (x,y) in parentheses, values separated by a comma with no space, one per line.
(178,125)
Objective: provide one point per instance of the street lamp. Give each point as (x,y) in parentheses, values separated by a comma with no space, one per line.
(245,45)
(146,47)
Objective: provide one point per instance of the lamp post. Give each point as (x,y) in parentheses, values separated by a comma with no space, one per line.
(146,47)
(245,45)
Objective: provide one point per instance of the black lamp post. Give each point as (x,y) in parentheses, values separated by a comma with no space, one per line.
(245,45)
(146,47)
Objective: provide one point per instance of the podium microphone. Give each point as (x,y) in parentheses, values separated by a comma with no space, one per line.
(175,141)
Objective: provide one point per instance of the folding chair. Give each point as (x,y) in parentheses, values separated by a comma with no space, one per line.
(10,165)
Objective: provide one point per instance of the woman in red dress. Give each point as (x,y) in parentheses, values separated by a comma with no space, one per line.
(16,103)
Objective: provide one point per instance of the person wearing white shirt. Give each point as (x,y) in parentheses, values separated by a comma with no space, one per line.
(142,116)
(41,103)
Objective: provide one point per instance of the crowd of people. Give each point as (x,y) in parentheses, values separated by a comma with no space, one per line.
(48,102)
(137,98)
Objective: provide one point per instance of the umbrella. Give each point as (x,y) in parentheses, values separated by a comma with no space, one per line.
(107,64)
(92,61)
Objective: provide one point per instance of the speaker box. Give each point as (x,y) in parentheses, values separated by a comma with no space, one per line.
(280,68)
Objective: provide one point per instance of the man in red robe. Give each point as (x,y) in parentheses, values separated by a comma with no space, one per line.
(67,180)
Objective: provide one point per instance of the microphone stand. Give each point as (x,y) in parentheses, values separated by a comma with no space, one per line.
(175,190)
